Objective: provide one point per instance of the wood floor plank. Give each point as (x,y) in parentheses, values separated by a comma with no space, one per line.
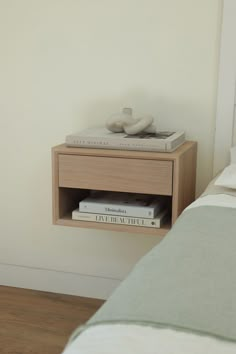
(35,322)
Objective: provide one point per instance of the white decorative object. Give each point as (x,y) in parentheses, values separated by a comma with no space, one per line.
(124,122)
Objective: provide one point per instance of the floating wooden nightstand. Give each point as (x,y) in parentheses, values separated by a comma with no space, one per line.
(78,170)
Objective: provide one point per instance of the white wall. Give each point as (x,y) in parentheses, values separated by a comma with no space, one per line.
(225,134)
(67,65)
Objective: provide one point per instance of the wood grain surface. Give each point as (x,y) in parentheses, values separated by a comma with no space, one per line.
(35,322)
(115,174)
(78,170)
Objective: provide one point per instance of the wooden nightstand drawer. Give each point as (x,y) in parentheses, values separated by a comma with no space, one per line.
(117,174)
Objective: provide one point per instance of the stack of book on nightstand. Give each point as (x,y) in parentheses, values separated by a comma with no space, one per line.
(163,141)
(122,208)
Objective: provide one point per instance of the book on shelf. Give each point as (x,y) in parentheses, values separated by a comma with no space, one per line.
(156,222)
(163,141)
(122,204)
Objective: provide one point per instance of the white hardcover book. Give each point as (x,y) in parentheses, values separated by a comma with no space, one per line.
(156,222)
(103,138)
(123,204)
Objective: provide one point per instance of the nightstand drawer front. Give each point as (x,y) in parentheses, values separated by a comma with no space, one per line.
(116,174)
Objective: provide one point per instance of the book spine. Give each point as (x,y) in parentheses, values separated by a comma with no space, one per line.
(120,210)
(114,219)
(115,143)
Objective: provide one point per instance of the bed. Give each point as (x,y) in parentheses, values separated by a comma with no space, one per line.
(181,297)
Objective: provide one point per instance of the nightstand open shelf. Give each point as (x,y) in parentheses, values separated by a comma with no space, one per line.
(76,171)
(67,221)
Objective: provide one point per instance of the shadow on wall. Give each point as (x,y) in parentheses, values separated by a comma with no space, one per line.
(169,113)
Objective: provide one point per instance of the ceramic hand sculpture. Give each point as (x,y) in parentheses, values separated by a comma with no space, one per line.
(124,122)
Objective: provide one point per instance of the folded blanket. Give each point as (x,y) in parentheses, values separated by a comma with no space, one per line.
(186,282)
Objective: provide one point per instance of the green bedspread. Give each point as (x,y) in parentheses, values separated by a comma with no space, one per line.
(186,282)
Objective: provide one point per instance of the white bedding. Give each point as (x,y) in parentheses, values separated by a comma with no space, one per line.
(135,339)
(221,200)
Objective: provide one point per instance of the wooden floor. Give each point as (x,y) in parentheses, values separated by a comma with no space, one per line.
(34,322)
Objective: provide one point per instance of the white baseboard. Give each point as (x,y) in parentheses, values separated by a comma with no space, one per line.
(57,281)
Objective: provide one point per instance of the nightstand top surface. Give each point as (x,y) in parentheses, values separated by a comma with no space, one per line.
(63,149)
